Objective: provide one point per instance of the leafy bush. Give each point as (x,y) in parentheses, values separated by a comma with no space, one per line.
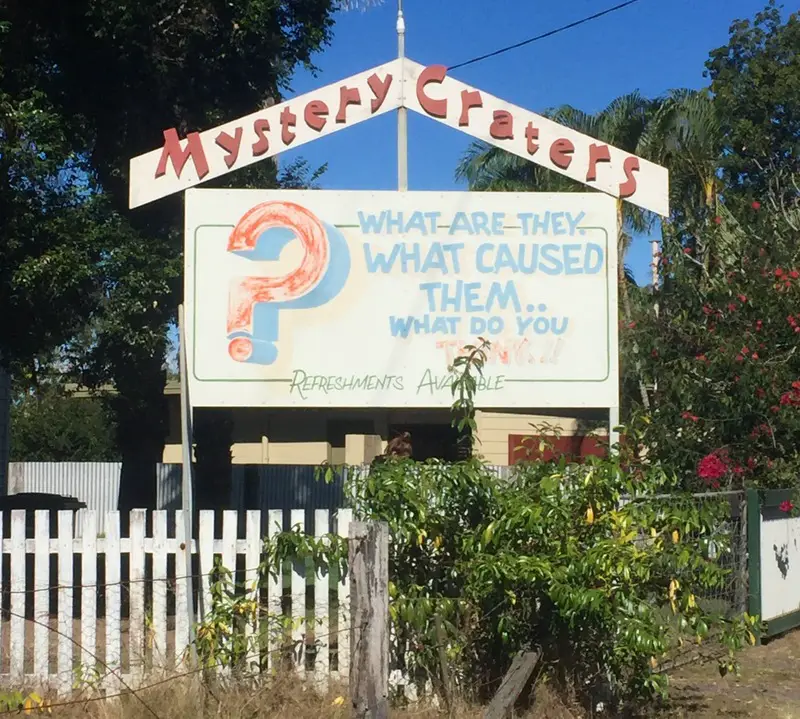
(482,567)
(720,352)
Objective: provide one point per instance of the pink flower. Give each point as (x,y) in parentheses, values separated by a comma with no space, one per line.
(711,467)
(786,506)
(689,415)
(756,205)
(718,220)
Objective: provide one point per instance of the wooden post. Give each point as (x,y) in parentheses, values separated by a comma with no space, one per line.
(514,683)
(368,554)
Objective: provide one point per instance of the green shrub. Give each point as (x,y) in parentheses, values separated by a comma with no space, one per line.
(482,567)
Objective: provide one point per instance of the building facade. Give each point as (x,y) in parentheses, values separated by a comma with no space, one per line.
(353,437)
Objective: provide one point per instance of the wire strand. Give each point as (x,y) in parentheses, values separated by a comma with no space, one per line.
(175,677)
(111,672)
(544,35)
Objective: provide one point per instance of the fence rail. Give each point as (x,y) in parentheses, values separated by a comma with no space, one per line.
(92,607)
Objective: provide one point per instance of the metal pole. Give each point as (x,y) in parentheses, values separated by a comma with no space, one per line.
(402,113)
(5,428)
(186,474)
(654,263)
(613,423)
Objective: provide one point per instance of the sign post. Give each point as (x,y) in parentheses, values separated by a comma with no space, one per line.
(187,484)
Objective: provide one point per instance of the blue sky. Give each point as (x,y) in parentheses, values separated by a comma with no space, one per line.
(652,46)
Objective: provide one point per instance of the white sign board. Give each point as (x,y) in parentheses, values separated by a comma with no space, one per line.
(363,299)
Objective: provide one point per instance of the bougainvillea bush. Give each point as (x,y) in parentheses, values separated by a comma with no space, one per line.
(717,346)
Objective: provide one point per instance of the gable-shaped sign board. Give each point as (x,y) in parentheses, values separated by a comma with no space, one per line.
(183,163)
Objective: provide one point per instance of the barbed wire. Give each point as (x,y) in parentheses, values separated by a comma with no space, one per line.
(94,656)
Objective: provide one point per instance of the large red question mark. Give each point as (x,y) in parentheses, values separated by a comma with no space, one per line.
(246,292)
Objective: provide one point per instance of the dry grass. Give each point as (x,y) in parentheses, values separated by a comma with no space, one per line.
(768,688)
(283,697)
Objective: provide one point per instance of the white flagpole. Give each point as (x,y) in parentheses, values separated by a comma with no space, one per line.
(402,113)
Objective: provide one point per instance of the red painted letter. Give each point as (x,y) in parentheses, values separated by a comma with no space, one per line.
(379,89)
(628,188)
(315,114)
(561,153)
(531,135)
(434,73)
(347,96)
(502,127)
(469,99)
(179,156)
(597,153)
(260,127)
(231,145)
(288,119)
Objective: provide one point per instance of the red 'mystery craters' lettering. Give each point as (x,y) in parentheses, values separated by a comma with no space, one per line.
(246,292)
(243,143)
(179,156)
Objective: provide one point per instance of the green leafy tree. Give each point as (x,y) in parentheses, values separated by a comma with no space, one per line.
(50,425)
(755,80)
(51,230)
(118,75)
(721,354)
(718,345)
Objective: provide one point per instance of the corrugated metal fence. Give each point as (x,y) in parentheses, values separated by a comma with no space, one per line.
(264,487)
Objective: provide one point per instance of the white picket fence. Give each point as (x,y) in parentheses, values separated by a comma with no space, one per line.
(138,630)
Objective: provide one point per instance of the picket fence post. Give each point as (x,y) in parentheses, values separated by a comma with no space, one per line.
(368,552)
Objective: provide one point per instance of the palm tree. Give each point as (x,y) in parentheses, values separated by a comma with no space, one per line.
(686,136)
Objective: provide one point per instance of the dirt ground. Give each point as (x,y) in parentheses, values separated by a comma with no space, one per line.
(768,688)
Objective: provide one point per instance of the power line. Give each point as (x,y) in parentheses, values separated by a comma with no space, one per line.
(549,33)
